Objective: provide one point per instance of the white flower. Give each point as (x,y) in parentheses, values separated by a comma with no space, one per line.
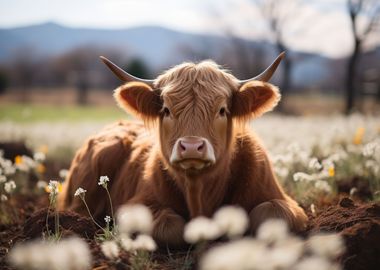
(323,186)
(41,184)
(4,198)
(31,163)
(284,254)
(273,230)
(328,164)
(79,253)
(9,186)
(80,192)
(3,179)
(134,218)
(53,187)
(236,255)
(300,176)
(144,242)
(201,228)
(39,156)
(313,263)
(72,254)
(127,243)
(370,149)
(110,249)
(233,221)
(103,180)
(63,173)
(353,191)
(326,245)
(26,164)
(314,164)
(312,209)
(9,170)
(107,219)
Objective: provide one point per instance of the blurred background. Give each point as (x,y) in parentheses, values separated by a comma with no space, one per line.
(49,50)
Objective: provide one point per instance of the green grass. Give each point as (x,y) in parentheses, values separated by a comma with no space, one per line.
(48,113)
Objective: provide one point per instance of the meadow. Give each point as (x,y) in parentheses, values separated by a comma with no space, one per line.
(329,163)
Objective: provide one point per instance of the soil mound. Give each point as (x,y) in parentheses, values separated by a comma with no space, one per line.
(359,224)
(70,224)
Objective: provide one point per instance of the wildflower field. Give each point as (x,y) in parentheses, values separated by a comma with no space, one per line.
(329,164)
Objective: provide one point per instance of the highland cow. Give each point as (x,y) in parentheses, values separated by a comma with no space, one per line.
(194,156)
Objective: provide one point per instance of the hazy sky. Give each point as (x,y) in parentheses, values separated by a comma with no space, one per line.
(318,26)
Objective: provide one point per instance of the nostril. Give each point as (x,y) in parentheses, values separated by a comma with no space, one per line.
(201,146)
(183,148)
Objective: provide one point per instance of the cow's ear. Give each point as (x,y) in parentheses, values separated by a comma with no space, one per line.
(254,98)
(139,99)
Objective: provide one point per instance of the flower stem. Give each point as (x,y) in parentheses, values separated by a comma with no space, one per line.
(89,212)
(47,220)
(109,198)
(56,221)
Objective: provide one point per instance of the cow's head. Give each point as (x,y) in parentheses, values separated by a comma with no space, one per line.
(195,106)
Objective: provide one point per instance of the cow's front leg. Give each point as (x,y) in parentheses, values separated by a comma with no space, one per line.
(283,209)
(168,228)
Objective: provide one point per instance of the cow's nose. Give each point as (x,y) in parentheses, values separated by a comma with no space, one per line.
(192,147)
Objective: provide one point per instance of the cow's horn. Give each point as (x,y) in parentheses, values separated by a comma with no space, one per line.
(123,75)
(268,73)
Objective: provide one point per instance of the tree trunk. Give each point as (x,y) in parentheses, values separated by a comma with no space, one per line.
(82,91)
(351,78)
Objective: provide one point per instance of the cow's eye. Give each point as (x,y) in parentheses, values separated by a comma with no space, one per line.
(222,111)
(166,112)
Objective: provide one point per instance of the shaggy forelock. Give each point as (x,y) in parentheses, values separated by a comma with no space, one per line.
(191,87)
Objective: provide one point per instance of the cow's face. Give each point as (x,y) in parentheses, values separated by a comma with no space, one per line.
(195,119)
(195,105)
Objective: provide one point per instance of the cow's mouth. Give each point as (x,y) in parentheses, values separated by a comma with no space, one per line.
(193,164)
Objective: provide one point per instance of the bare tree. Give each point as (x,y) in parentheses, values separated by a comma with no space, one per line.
(82,67)
(280,15)
(23,69)
(366,13)
(246,58)
(4,81)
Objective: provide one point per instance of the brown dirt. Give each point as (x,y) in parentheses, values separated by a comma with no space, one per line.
(359,224)
(70,224)
(361,186)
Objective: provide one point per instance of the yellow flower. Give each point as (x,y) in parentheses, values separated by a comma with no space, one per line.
(41,168)
(44,149)
(331,171)
(18,160)
(358,138)
(59,187)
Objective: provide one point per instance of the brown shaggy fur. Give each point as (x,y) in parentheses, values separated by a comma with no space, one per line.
(137,161)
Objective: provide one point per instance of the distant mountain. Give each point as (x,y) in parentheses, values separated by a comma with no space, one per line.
(156,45)
(161,47)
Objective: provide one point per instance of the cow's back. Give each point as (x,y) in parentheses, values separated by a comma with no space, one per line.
(117,151)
